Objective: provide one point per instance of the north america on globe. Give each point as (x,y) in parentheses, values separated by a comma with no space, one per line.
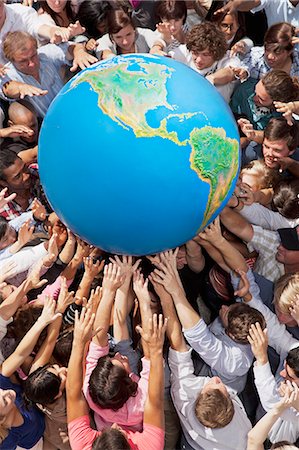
(136,102)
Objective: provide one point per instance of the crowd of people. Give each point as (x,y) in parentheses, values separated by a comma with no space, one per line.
(194,348)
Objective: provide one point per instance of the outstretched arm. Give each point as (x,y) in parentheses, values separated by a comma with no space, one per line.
(154,337)
(26,346)
(76,403)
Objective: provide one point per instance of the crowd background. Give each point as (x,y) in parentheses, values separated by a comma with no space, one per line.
(196,347)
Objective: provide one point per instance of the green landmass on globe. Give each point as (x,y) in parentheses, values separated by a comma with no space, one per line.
(125,95)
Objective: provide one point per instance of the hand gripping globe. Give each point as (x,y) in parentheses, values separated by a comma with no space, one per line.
(138,153)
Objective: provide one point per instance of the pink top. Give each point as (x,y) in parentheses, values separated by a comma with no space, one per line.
(82,436)
(52,290)
(130,415)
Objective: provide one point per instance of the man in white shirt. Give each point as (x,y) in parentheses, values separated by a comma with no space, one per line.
(223,346)
(211,414)
(206,52)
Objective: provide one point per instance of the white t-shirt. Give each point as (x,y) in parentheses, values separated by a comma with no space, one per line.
(279,11)
(182,54)
(145,39)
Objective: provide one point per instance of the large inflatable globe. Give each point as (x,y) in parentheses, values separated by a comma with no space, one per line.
(138,153)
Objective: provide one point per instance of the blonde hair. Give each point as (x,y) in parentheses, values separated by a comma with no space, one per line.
(286,289)
(16,41)
(3,433)
(265,177)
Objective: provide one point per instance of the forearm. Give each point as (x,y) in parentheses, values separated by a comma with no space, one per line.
(156,379)
(120,326)
(216,255)
(67,253)
(45,352)
(11,89)
(235,223)
(187,315)
(10,305)
(174,328)
(195,259)
(72,267)
(76,403)
(259,433)
(231,255)
(103,316)
(23,350)
(222,76)
(29,156)
(84,287)
(246,5)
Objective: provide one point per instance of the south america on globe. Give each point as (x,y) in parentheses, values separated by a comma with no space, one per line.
(138,153)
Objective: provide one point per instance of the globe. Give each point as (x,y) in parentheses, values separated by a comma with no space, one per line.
(138,153)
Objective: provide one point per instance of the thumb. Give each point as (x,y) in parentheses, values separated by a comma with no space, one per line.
(139,329)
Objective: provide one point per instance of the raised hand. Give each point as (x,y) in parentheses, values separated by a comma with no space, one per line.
(7,270)
(75,29)
(287,110)
(14,131)
(33,279)
(112,278)
(48,314)
(59,34)
(92,269)
(30,91)
(154,335)
(4,200)
(247,128)
(140,287)
(25,233)
(65,297)
(127,268)
(258,340)
(83,326)
(238,48)
(39,211)
(243,290)
(82,59)
(212,232)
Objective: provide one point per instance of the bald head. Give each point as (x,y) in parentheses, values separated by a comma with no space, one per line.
(22,113)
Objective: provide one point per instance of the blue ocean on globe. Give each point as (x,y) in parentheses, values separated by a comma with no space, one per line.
(138,153)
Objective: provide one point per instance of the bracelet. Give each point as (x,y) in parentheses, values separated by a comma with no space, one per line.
(233,207)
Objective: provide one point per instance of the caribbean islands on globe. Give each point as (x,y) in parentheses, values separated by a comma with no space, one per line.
(138,153)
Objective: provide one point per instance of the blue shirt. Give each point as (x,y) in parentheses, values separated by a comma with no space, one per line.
(28,434)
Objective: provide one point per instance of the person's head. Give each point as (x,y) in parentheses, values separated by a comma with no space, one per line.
(207,44)
(20,48)
(280,140)
(14,174)
(276,86)
(56,9)
(257,175)
(172,12)
(63,347)
(92,15)
(285,292)
(45,385)
(111,439)
(214,407)
(121,30)
(232,24)
(7,406)
(290,370)
(237,320)
(110,384)
(285,198)
(22,113)
(8,234)
(278,44)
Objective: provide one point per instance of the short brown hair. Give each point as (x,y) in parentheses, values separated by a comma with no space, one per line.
(170,10)
(117,19)
(279,129)
(285,198)
(16,41)
(279,37)
(207,36)
(280,86)
(240,318)
(214,409)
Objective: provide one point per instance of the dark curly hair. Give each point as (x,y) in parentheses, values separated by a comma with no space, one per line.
(206,36)
(110,386)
